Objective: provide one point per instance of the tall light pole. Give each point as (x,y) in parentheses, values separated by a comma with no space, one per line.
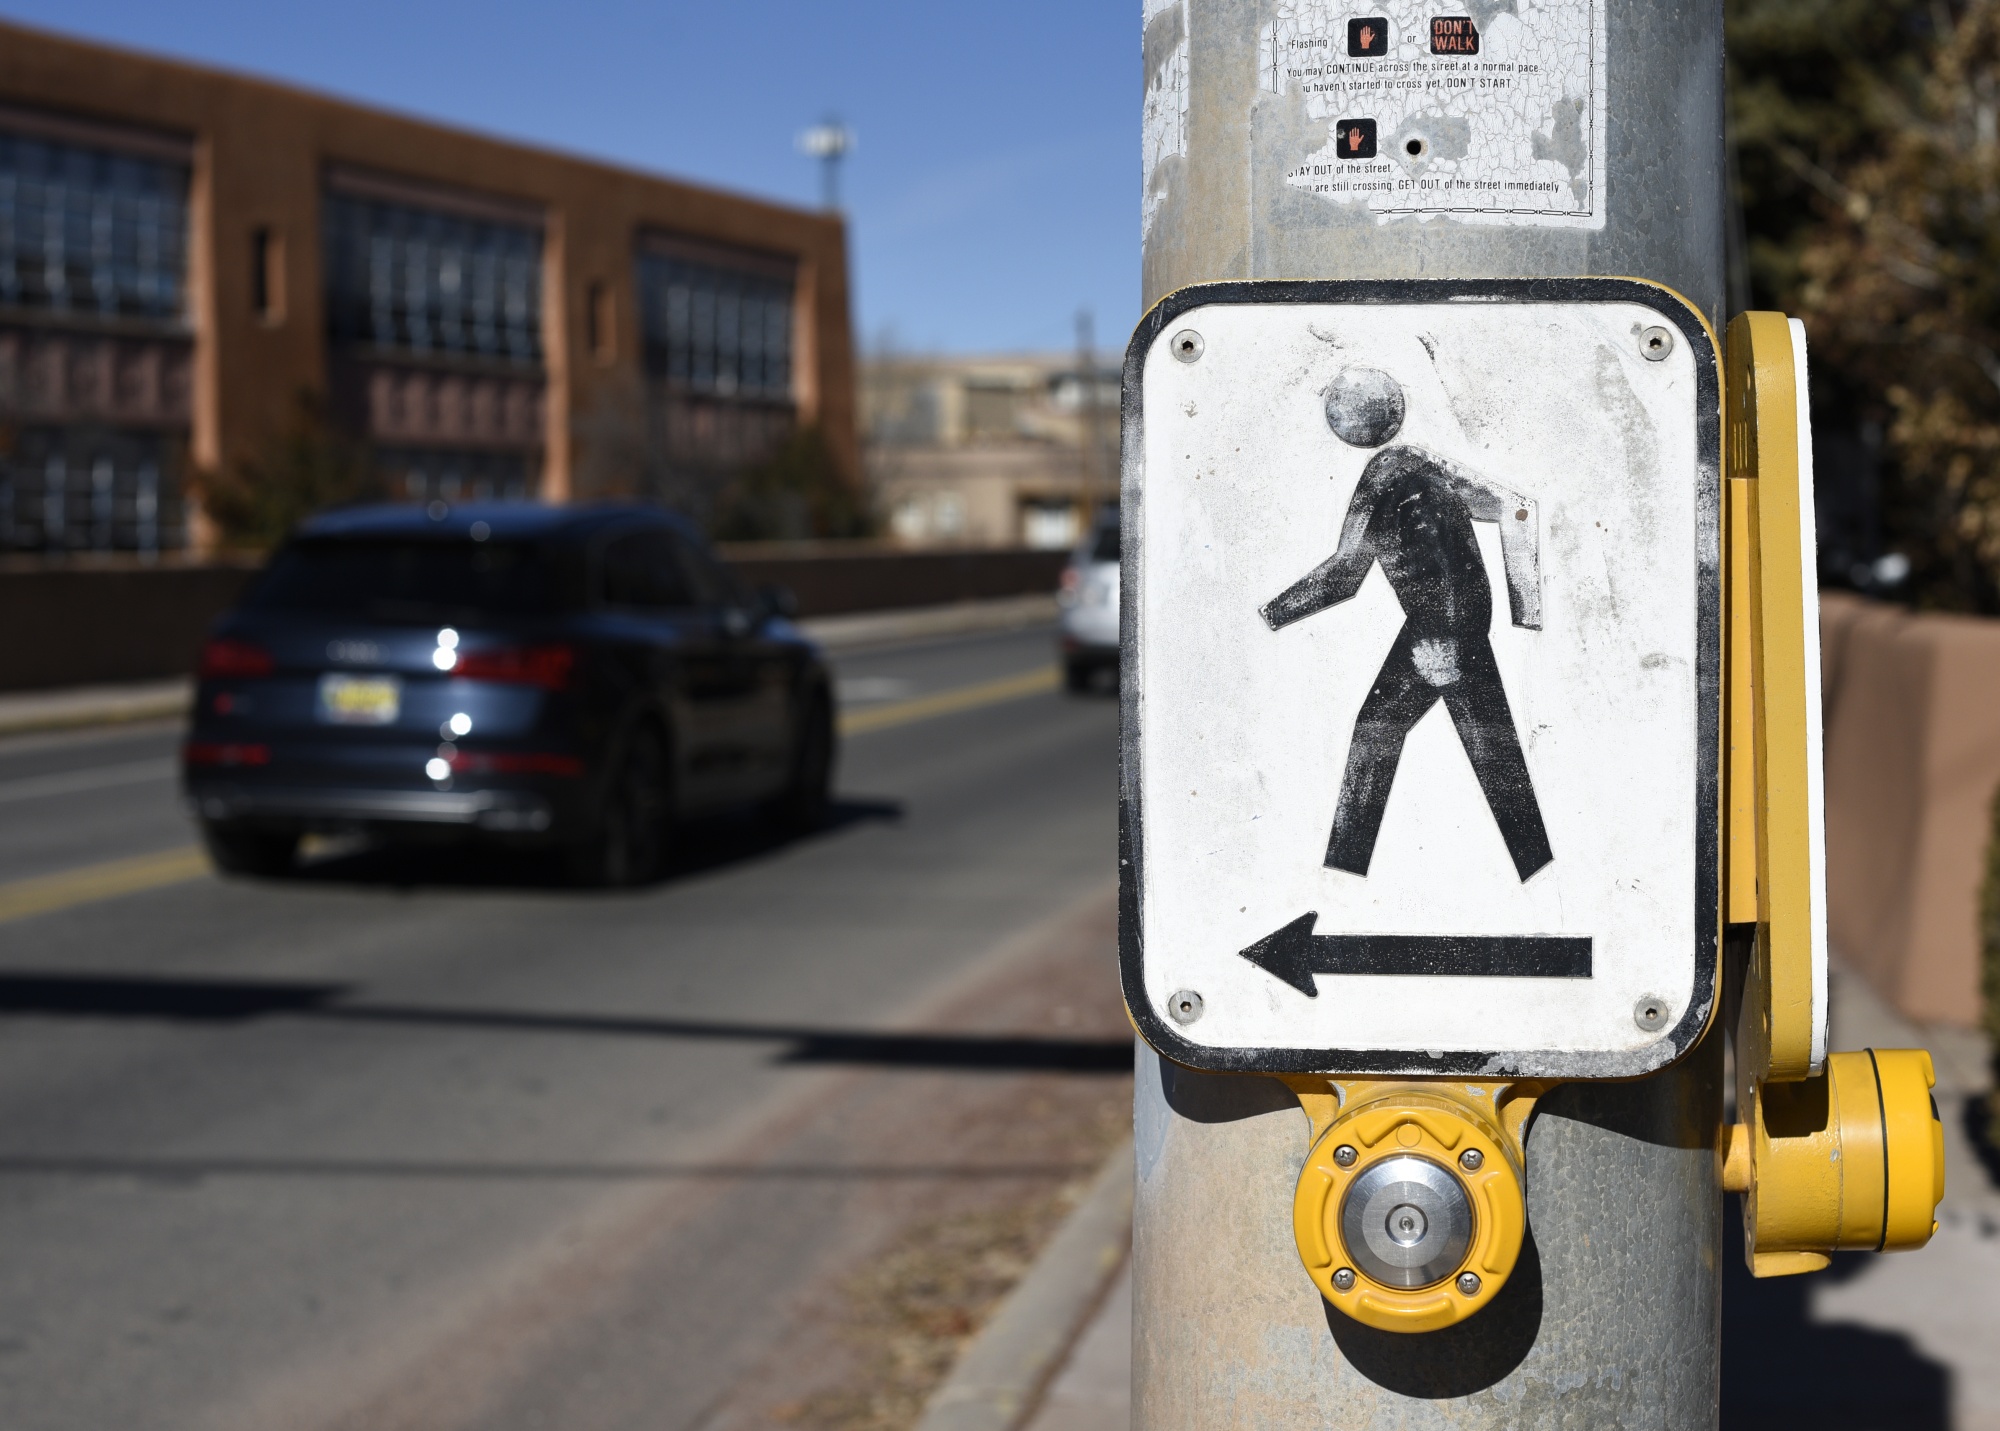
(828,142)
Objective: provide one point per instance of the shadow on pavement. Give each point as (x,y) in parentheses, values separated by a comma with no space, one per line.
(1780,1368)
(111,996)
(703,845)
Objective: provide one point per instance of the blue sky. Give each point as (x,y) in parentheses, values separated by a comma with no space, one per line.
(994,192)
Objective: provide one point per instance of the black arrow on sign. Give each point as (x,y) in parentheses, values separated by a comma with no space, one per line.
(1295,954)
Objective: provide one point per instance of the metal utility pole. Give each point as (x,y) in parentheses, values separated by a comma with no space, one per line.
(829,143)
(1611,1317)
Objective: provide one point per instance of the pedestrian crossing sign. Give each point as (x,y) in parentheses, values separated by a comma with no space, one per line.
(1421,677)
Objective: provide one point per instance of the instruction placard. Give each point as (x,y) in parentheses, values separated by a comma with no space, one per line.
(1495,115)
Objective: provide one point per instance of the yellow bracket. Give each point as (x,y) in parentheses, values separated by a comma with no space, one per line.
(1840,1151)
(1468,1138)
(1775,819)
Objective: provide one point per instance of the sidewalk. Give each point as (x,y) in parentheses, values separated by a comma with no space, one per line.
(23,712)
(1093,1391)
(1909,1336)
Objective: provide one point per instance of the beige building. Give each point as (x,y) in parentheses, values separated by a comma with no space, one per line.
(184,253)
(989,451)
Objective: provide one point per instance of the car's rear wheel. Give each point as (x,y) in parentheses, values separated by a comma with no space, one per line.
(1076,674)
(802,806)
(630,834)
(250,851)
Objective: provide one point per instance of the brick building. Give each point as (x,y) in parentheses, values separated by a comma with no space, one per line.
(992,451)
(185,253)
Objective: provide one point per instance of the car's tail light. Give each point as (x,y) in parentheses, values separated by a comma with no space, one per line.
(544,666)
(1071,579)
(513,762)
(223,658)
(212,752)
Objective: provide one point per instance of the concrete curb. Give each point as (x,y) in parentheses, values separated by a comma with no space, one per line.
(1001,1376)
(29,711)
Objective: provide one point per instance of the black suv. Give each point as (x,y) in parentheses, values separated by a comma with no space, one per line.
(576,677)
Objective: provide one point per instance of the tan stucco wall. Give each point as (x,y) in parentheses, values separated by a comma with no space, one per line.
(1912,763)
(260,151)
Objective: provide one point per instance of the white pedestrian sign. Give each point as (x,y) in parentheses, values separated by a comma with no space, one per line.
(1422,605)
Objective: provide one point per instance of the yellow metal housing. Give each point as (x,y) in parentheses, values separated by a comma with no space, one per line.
(1835,1151)
(1774,696)
(1439,1122)
(1852,1160)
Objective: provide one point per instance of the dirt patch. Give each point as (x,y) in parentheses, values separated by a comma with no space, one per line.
(913,1311)
(876,1334)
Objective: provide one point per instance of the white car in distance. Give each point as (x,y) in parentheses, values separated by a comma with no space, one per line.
(1088,602)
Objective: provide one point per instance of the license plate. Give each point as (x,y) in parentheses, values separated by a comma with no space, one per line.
(359,700)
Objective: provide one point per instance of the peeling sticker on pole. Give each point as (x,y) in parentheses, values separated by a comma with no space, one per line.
(1494,116)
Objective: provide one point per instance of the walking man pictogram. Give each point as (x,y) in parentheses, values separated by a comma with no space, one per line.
(1413,512)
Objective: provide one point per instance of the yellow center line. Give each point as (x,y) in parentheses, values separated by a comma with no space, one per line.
(45,894)
(963,698)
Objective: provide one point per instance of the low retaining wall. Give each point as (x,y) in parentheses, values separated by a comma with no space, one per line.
(1912,763)
(829,581)
(79,626)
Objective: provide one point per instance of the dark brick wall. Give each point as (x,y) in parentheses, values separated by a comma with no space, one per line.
(74,627)
(67,627)
(834,583)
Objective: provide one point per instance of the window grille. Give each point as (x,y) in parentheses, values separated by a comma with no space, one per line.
(91,232)
(78,489)
(401,278)
(423,474)
(714,327)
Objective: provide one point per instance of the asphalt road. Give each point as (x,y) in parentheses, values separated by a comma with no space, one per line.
(266,1147)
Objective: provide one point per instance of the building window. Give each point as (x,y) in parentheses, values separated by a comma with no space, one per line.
(91,489)
(1049,525)
(601,323)
(715,336)
(267,275)
(717,324)
(425,474)
(424,281)
(434,314)
(90,231)
(96,361)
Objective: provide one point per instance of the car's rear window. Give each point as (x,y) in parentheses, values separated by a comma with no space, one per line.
(403,580)
(1104,546)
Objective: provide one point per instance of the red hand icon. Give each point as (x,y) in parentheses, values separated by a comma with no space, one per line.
(1367,38)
